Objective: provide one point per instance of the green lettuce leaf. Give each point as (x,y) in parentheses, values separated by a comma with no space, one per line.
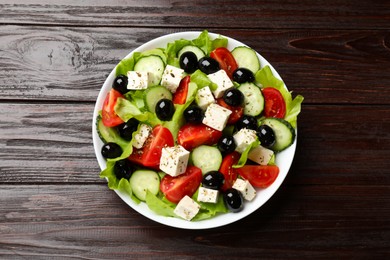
(244,156)
(293,110)
(124,187)
(207,45)
(137,98)
(266,78)
(202,80)
(127,109)
(209,210)
(126,65)
(159,206)
(219,42)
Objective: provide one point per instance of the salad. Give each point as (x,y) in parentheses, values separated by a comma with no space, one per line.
(192,130)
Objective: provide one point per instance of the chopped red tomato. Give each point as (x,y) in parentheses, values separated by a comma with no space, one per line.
(180,95)
(175,188)
(149,155)
(228,171)
(237,111)
(225,59)
(260,176)
(275,106)
(109,117)
(193,135)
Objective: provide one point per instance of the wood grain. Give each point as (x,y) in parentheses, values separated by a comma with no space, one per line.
(54,58)
(204,13)
(52,143)
(64,63)
(66,220)
(47,143)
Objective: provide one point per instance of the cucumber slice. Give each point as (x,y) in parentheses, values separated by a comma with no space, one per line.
(253,99)
(153,95)
(207,158)
(152,64)
(109,134)
(246,58)
(157,52)
(144,180)
(198,52)
(284,133)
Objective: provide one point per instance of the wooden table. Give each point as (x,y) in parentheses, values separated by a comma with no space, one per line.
(54,57)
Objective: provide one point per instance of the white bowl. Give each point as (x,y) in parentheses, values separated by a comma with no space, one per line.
(283,159)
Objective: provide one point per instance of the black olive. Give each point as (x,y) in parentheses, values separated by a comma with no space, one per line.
(233,200)
(165,109)
(233,97)
(266,136)
(246,121)
(226,144)
(188,62)
(126,129)
(213,180)
(111,150)
(208,65)
(193,114)
(123,169)
(242,75)
(120,84)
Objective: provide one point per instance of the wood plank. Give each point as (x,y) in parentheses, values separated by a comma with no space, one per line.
(71,221)
(47,143)
(52,143)
(342,144)
(58,63)
(204,13)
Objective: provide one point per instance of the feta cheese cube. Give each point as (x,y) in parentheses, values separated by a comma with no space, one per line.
(216,117)
(141,136)
(174,160)
(204,98)
(137,80)
(187,208)
(244,138)
(171,77)
(223,82)
(207,195)
(245,188)
(260,155)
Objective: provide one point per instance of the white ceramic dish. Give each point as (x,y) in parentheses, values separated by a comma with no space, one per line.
(283,159)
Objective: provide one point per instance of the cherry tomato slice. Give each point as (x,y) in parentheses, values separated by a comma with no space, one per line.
(193,135)
(180,95)
(109,117)
(260,176)
(225,59)
(175,188)
(228,171)
(275,106)
(237,111)
(149,155)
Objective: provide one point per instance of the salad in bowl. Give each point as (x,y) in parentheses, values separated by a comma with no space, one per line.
(195,130)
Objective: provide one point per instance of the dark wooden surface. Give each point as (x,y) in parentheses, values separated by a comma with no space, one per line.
(54,57)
